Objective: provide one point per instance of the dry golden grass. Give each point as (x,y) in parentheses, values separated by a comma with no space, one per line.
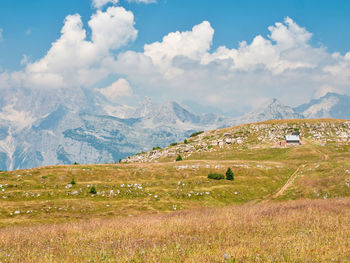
(172,212)
(292,231)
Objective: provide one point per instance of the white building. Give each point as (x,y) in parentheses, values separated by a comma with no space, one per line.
(293,138)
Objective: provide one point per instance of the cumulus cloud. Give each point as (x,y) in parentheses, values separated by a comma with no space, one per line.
(282,50)
(283,64)
(120,88)
(101,3)
(190,44)
(75,61)
(183,65)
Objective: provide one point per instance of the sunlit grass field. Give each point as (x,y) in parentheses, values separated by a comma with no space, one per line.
(291,231)
(284,205)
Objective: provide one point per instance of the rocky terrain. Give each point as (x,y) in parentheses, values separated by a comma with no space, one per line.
(265,134)
(59,128)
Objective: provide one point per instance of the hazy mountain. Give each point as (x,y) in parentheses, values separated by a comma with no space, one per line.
(271,110)
(65,135)
(332,105)
(55,127)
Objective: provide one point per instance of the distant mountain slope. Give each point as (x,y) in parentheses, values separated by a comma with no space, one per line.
(332,105)
(62,128)
(272,110)
(65,136)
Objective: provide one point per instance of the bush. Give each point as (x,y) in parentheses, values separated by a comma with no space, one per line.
(156,148)
(72,182)
(173,144)
(178,158)
(93,190)
(75,163)
(215,176)
(229,175)
(196,133)
(185,141)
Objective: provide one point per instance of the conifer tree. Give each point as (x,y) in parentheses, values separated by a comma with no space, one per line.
(229,175)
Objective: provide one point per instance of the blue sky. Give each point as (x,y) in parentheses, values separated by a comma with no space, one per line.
(30,27)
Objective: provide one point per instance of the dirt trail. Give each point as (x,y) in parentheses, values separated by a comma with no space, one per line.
(287,184)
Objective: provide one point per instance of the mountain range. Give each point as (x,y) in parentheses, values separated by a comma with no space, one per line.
(57,128)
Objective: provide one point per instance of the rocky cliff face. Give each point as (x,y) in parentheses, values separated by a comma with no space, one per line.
(66,135)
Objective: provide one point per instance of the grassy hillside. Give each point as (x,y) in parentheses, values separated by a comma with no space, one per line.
(163,203)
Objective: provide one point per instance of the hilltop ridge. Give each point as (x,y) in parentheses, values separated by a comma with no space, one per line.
(265,134)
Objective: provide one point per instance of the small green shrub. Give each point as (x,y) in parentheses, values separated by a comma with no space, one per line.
(72,182)
(229,175)
(156,148)
(216,176)
(185,141)
(75,163)
(178,158)
(173,144)
(196,133)
(93,190)
(47,176)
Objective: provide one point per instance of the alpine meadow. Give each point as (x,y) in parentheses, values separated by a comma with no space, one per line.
(175,131)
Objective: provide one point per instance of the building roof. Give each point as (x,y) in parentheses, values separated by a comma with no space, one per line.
(292,138)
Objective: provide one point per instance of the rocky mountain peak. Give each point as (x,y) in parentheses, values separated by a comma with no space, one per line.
(331,105)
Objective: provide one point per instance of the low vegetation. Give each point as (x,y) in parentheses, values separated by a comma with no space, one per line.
(196,133)
(270,204)
(215,176)
(292,231)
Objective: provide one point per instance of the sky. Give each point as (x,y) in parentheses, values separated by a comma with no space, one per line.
(230,54)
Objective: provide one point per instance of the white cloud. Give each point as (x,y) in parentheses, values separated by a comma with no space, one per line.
(143,1)
(279,53)
(190,44)
(21,119)
(101,3)
(113,28)
(120,88)
(340,69)
(282,64)
(1,36)
(75,61)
